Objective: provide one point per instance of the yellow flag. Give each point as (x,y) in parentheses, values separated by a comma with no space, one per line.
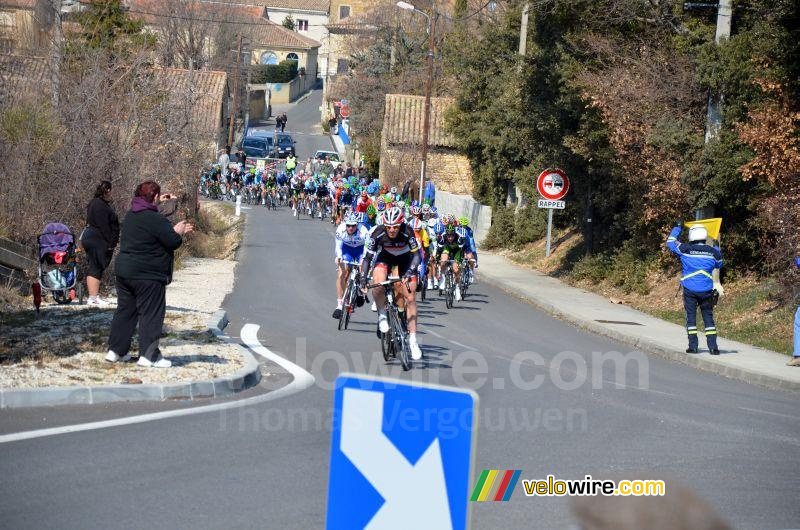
(712,225)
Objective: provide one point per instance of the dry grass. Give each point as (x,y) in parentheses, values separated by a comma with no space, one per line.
(218,232)
(748,312)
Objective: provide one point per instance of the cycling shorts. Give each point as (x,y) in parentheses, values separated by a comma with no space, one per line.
(352,254)
(454,253)
(389,261)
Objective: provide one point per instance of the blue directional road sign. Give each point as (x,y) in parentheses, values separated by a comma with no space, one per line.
(402,455)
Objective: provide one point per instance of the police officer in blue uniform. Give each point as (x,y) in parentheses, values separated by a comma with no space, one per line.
(701,263)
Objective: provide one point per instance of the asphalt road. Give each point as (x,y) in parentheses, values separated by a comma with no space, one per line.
(265,465)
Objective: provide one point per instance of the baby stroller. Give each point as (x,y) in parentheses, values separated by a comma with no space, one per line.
(57,266)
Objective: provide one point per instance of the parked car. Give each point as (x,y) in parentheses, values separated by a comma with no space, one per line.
(285,145)
(331,156)
(257,147)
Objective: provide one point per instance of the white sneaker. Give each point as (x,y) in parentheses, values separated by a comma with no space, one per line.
(458,293)
(294,212)
(114,358)
(416,352)
(161,363)
(383,323)
(374,306)
(430,284)
(96,301)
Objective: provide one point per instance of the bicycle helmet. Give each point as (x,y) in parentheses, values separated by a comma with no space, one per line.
(426,208)
(450,228)
(416,224)
(448,219)
(351,219)
(415,210)
(463,221)
(393,191)
(371,211)
(393,216)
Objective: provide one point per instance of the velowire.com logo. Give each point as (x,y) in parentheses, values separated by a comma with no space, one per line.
(495,485)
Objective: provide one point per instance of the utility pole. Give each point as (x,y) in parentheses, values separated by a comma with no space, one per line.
(523,30)
(55,53)
(234,106)
(427,115)
(714,115)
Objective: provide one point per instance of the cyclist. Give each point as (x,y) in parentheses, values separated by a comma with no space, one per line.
(363,202)
(421,235)
(370,217)
(471,251)
(393,245)
(322,196)
(296,185)
(350,240)
(451,247)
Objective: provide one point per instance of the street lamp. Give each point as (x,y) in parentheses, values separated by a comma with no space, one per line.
(428,87)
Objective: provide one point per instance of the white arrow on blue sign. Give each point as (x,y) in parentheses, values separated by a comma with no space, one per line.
(402,455)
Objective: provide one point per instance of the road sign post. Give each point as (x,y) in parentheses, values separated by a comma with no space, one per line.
(402,454)
(553,185)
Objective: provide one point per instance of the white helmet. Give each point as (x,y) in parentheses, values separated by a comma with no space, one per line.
(698,233)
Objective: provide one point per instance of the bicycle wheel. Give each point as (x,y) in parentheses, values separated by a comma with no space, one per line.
(449,289)
(351,303)
(402,346)
(387,344)
(344,306)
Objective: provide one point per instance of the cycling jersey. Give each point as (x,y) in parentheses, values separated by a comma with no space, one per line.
(383,251)
(452,244)
(362,205)
(350,247)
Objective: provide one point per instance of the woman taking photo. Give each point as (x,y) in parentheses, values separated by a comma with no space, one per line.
(144,268)
(99,240)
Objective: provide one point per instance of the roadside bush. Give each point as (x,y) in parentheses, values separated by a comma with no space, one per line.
(530,225)
(282,72)
(592,268)
(628,270)
(502,229)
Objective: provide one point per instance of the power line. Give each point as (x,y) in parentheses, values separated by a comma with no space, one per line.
(266,22)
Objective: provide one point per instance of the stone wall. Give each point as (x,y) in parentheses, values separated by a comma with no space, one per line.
(449,170)
(480,215)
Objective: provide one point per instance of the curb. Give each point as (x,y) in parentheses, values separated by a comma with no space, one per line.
(246,377)
(699,362)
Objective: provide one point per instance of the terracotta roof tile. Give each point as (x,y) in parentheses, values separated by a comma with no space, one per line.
(262,31)
(320,6)
(404,118)
(274,35)
(23,75)
(19,4)
(207,90)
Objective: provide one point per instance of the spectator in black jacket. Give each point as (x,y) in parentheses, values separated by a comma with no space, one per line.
(144,268)
(99,239)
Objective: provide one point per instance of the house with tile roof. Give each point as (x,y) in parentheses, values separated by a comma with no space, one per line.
(310,19)
(401,139)
(266,42)
(24,77)
(24,25)
(206,92)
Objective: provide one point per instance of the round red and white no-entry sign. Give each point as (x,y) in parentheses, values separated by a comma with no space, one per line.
(552,184)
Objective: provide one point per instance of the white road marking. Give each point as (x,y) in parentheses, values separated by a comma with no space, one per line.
(460,345)
(302,380)
(433,333)
(621,385)
(771,413)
